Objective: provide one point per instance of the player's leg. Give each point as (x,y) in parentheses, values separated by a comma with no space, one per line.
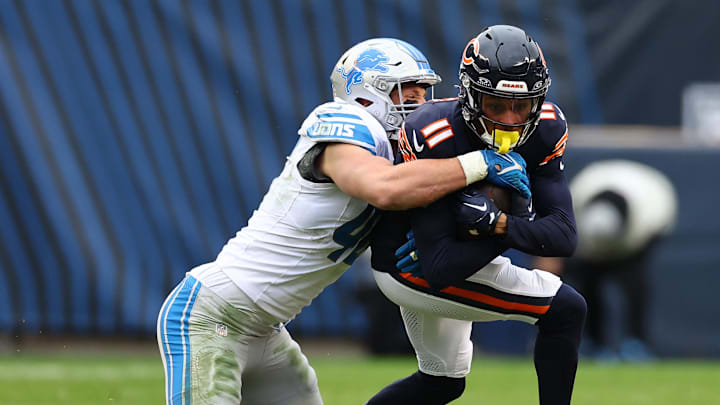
(173,335)
(539,297)
(444,353)
(444,350)
(279,373)
(202,351)
(499,291)
(557,346)
(420,389)
(502,291)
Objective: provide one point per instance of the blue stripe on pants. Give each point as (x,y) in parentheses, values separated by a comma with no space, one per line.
(176,339)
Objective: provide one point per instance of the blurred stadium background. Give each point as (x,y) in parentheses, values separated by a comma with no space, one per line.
(137,136)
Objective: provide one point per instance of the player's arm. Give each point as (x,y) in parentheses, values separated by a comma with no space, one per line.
(553,232)
(444,259)
(416,182)
(376,180)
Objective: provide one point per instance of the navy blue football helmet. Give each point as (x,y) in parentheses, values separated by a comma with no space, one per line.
(502,61)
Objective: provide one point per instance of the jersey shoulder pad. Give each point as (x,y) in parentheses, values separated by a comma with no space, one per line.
(552,131)
(343,122)
(428,132)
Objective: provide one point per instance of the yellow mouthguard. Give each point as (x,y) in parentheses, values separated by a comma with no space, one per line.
(506,138)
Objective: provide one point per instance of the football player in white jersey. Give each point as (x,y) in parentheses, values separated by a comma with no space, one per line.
(220,331)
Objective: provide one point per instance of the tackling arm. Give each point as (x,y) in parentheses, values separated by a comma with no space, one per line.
(376,180)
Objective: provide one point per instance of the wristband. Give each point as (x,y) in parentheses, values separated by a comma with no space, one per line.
(474,166)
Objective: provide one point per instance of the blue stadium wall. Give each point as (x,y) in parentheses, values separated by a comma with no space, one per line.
(137,136)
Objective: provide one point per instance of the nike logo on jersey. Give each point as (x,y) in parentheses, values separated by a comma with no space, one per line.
(482,207)
(418,148)
(515,166)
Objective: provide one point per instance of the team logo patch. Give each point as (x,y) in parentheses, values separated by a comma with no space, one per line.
(372,59)
(512,86)
(331,129)
(485,82)
(468,53)
(221,329)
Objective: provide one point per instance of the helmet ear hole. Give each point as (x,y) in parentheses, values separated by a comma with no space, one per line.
(363,101)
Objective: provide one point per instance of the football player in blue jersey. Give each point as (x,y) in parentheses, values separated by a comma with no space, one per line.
(448,271)
(221,331)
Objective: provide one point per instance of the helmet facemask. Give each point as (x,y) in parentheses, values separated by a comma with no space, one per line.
(397,112)
(503,136)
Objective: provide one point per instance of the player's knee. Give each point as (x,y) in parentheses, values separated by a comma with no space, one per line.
(576,305)
(567,310)
(442,389)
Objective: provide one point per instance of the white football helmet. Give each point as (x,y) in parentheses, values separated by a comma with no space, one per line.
(372,69)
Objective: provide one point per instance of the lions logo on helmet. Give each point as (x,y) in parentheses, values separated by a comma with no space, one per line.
(372,59)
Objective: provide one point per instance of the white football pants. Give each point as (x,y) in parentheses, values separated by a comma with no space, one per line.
(439,323)
(217,353)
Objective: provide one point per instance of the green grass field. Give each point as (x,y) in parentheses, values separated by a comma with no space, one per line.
(138,380)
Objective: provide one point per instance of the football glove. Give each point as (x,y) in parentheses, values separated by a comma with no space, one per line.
(476,214)
(507,170)
(521,207)
(408,261)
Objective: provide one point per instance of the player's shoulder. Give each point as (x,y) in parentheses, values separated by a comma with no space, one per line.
(549,139)
(338,121)
(552,126)
(432,111)
(339,110)
(429,131)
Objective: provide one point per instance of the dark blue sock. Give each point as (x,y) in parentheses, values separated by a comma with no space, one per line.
(557,344)
(420,389)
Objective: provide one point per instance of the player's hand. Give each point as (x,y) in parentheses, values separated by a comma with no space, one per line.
(521,207)
(408,261)
(475,213)
(507,170)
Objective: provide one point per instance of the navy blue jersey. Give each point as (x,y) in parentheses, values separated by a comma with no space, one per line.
(437,130)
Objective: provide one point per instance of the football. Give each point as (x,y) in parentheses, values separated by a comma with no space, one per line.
(499,195)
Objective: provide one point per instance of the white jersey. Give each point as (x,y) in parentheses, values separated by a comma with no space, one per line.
(305,234)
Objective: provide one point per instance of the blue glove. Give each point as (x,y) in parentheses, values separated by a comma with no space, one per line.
(507,170)
(408,261)
(475,213)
